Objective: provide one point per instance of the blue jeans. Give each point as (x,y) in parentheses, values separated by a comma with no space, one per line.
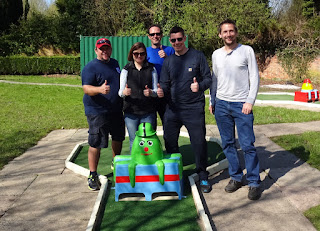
(133,121)
(228,115)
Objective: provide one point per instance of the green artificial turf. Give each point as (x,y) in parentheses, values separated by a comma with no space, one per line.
(275,97)
(154,215)
(283,97)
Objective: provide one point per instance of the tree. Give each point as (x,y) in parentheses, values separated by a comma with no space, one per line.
(10,12)
(301,34)
(70,24)
(26,9)
(201,19)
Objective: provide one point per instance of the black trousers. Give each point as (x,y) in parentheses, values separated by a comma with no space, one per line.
(161,104)
(194,121)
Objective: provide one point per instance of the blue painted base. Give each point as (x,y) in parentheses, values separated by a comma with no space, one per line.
(147,180)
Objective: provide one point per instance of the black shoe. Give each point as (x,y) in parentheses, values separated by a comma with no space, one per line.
(205,186)
(94,183)
(233,186)
(112,165)
(254,193)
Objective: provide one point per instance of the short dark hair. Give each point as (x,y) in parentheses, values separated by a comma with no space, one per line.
(155,25)
(176,29)
(228,21)
(134,47)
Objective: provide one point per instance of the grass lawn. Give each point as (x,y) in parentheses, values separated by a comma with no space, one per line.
(155,215)
(313,215)
(30,112)
(68,79)
(306,146)
(279,97)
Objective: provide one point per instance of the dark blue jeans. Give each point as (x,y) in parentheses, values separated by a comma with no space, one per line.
(194,121)
(228,115)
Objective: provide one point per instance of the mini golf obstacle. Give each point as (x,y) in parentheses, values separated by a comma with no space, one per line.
(147,170)
(307,93)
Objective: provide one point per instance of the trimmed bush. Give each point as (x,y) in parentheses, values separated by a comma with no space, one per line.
(34,65)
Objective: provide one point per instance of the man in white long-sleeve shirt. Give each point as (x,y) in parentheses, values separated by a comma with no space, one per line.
(235,84)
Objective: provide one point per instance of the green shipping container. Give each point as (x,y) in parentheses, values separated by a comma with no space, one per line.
(120,47)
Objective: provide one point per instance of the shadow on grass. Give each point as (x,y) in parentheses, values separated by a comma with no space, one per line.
(301,152)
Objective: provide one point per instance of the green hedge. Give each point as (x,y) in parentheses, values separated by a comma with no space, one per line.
(34,65)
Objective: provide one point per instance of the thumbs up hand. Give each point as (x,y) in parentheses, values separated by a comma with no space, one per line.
(160,91)
(147,91)
(127,90)
(104,88)
(195,85)
(161,53)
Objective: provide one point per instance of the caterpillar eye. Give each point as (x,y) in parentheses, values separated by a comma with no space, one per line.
(150,143)
(141,143)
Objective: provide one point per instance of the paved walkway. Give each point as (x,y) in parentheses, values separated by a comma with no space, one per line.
(38,193)
(290,187)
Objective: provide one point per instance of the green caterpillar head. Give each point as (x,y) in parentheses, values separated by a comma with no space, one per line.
(146,147)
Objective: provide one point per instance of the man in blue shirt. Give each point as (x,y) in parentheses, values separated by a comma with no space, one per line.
(156,54)
(103,107)
(185,76)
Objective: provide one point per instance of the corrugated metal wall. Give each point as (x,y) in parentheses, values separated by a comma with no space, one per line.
(120,47)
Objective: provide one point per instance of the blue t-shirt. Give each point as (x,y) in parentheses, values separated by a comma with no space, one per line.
(153,56)
(95,73)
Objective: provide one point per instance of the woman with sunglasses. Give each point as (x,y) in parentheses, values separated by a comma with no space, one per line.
(138,87)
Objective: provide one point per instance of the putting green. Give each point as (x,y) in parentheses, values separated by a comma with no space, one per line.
(154,215)
(275,97)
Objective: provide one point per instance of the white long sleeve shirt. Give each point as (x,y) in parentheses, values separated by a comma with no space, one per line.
(235,76)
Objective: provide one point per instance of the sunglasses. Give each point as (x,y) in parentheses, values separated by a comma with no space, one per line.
(103,41)
(136,54)
(174,40)
(153,34)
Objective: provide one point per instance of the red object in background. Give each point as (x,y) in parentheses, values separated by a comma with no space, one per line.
(304,96)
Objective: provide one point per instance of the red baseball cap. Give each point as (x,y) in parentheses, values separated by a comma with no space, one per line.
(103,42)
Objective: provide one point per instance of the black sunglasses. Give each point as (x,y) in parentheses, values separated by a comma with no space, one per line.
(153,34)
(174,40)
(103,41)
(136,54)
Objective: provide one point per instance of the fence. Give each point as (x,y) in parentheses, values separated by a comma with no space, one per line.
(120,47)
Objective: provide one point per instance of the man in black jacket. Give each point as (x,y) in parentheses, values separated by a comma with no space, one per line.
(185,76)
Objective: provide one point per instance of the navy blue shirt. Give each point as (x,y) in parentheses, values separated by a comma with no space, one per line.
(177,76)
(95,73)
(153,56)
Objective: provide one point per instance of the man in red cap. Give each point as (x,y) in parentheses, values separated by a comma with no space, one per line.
(103,107)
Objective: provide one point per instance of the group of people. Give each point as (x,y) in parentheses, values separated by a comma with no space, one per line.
(171,81)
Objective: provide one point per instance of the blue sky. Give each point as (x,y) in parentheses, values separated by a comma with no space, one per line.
(49,1)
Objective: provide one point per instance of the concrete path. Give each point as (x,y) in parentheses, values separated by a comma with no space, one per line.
(38,193)
(290,187)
